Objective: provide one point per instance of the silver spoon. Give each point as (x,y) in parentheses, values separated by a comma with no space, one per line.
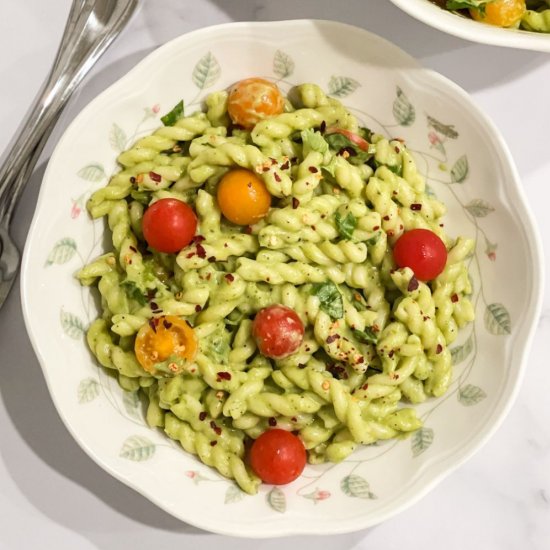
(91,27)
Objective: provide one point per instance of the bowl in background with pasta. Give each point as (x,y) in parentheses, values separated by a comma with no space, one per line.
(157,357)
(516,27)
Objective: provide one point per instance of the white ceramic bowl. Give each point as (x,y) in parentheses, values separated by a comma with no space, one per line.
(468,166)
(449,22)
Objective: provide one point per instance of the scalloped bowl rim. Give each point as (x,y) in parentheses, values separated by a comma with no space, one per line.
(462,27)
(444,464)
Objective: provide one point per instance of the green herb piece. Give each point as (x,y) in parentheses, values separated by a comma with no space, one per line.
(313,141)
(357,301)
(331,299)
(467,4)
(345,226)
(169,119)
(366,133)
(337,142)
(133,292)
(366,336)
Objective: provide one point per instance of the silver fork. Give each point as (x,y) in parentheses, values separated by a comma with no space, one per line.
(91,27)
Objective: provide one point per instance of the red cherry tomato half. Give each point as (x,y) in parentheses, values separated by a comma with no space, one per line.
(354,138)
(423,251)
(278,457)
(169,225)
(278,331)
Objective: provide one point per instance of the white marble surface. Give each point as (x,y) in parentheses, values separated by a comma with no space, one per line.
(53,496)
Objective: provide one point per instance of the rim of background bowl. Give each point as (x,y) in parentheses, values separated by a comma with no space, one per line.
(474,31)
(440,468)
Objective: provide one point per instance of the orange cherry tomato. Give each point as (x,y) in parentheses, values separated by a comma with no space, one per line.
(243,197)
(501,13)
(252,100)
(162,338)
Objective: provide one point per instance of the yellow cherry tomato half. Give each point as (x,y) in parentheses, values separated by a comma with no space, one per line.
(243,197)
(252,100)
(163,338)
(501,13)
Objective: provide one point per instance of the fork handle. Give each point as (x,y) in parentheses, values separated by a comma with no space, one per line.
(89,31)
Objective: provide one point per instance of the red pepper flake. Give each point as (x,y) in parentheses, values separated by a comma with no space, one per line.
(277,177)
(202,416)
(396,149)
(198,239)
(294,419)
(213,443)
(454,298)
(360,360)
(331,338)
(273,161)
(133,248)
(154,305)
(416,206)
(167,324)
(248,230)
(153,324)
(198,308)
(391,353)
(190,255)
(323,127)
(155,177)
(302,365)
(386,217)
(223,375)
(439,348)
(313,170)
(285,165)
(132,180)
(229,277)
(272,421)
(215,427)
(151,293)
(295,203)
(265,169)
(413,284)
(212,259)
(376,228)
(365,387)
(294,160)
(201,252)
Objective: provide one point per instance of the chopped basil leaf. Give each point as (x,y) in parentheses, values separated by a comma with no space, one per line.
(467,4)
(357,301)
(169,119)
(338,142)
(366,336)
(345,226)
(133,292)
(366,133)
(331,299)
(313,141)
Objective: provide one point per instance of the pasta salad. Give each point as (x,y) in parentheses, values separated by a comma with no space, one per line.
(530,15)
(280,286)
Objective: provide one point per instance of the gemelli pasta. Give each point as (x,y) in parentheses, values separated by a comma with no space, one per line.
(182,327)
